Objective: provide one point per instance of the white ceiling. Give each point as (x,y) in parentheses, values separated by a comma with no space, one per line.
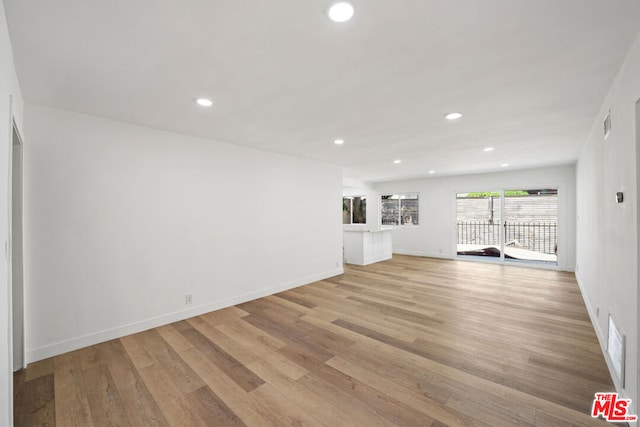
(529,75)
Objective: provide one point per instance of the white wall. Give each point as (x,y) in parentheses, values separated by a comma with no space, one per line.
(9,89)
(435,235)
(607,245)
(121,221)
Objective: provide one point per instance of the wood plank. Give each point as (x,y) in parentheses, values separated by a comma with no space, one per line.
(292,332)
(367,320)
(211,408)
(252,413)
(141,408)
(107,408)
(238,372)
(286,303)
(39,369)
(296,300)
(172,402)
(267,353)
(364,414)
(174,338)
(228,314)
(34,399)
(255,335)
(283,408)
(167,360)
(429,407)
(319,409)
(228,345)
(390,407)
(136,351)
(72,403)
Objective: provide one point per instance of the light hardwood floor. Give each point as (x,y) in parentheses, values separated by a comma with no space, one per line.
(411,342)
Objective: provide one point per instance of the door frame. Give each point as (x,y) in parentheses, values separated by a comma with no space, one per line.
(15,140)
(502,260)
(637,129)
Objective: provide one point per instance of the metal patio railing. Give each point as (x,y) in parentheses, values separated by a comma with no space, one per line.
(533,236)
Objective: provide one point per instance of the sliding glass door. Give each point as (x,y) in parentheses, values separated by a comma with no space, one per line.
(531,226)
(519,226)
(478,224)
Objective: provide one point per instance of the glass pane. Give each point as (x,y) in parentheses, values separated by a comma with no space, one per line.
(360,210)
(531,225)
(478,224)
(409,209)
(389,210)
(346,210)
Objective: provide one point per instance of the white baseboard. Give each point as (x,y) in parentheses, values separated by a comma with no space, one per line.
(33,355)
(444,256)
(375,259)
(420,253)
(602,340)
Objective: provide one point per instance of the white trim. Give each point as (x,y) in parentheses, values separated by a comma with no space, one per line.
(10,241)
(508,262)
(373,260)
(533,264)
(420,253)
(602,341)
(132,328)
(480,259)
(9,368)
(637,302)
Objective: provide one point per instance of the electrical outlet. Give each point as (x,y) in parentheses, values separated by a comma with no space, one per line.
(188,299)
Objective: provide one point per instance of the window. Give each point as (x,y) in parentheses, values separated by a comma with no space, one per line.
(399,209)
(354,210)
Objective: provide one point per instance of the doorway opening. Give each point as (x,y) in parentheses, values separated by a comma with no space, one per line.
(515,226)
(16,251)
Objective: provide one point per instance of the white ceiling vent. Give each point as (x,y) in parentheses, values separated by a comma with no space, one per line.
(607,125)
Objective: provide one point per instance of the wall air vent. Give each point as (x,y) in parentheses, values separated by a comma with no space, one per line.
(616,348)
(607,125)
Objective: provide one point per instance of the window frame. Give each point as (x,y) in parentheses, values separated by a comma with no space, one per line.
(399,197)
(363,203)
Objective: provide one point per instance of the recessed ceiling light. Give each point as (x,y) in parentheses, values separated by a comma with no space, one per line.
(204,102)
(432,172)
(489,149)
(453,116)
(338,141)
(397,161)
(504,165)
(340,12)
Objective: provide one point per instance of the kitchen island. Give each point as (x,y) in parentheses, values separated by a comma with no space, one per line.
(364,246)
